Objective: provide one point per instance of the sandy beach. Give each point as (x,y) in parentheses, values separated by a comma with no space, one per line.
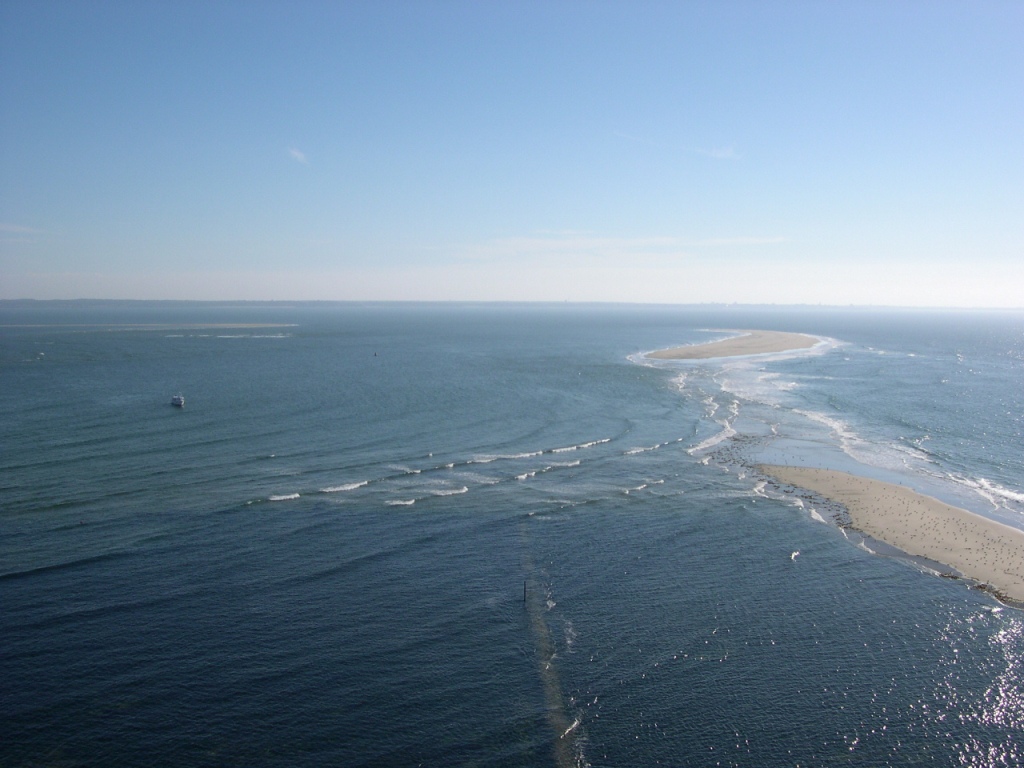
(750,343)
(980,549)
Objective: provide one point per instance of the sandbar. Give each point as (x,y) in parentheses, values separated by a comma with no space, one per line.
(750,343)
(980,549)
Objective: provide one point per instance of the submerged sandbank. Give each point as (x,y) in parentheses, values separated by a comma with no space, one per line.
(978,548)
(750,343)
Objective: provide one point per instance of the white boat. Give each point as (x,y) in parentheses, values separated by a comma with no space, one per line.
(178,401)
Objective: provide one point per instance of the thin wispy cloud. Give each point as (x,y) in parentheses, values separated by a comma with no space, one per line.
(298,155)
(568,245)
(729,241)
(17,229)
(11,234)
(582,246)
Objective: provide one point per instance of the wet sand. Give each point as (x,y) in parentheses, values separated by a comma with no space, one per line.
(750,343)
(980,549)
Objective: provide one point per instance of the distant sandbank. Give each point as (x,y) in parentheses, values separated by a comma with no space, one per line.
(152,326)
(978,548)
(750,343)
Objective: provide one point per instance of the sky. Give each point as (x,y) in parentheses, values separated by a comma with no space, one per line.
(867,153)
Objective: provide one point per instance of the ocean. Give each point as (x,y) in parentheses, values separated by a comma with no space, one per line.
(493,535)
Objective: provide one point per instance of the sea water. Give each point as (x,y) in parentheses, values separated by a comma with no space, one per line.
(392,535)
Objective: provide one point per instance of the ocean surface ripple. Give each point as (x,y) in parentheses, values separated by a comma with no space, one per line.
(493,535)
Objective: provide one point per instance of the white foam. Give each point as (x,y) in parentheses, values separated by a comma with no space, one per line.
(450,492)
(995,494)
(725,434)
(400,502)
(581,446)
(284,497)
(754,384)
(488,458)
(640,359)
(345,487)
(570,636)
(885,455)
(548,468)
(839,428)
(757,389)
(643,449)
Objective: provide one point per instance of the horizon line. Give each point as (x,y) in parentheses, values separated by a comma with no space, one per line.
(521,302)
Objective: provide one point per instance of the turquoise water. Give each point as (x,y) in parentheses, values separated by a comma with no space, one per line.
(321,559)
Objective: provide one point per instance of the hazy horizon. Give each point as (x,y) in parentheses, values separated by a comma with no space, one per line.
(674,153)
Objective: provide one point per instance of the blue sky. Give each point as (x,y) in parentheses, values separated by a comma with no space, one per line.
(836,153)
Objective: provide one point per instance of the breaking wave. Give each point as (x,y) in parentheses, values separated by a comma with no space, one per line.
(345,487)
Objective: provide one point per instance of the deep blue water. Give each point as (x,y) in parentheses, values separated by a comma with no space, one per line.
(321,559)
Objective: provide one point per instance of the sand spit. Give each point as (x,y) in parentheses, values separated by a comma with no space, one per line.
(980,549)
(750,343)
